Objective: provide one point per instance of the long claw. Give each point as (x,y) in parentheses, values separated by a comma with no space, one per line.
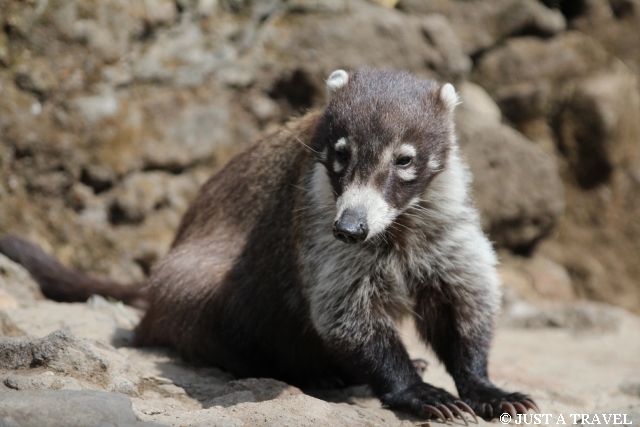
(445,411)
(458,412)
(467,409)
(436,412)
(506,406)
(520,407)
(489,409)
(531,405)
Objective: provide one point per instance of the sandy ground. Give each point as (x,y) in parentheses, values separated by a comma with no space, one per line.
(566,370)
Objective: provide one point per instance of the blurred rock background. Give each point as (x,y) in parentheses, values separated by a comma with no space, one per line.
(114,112)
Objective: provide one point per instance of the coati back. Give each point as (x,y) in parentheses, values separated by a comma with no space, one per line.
(297,258)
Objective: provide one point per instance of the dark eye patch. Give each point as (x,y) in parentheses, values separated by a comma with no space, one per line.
(342,154)
(404,161)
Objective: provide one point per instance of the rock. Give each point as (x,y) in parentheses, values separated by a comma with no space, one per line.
(582,317)
(168,130)
(251,390)
(481,25)
(7,327)
(306,6)
(159,12)
(206,8)
(288,411)
(97,107)
(236,76)
(98,38)
(16,281)
(36,76)
(64,408)
(475,101)
(535,280)
(455,63)
(7,301)
(598,125)
(96,319)
(5,58)
(140,194)
(526,75)
(137,196)
(181,56)
(614,23)
(516,184)
(264,108)
(92,364)
(398,39)
(630,388)
(550,280)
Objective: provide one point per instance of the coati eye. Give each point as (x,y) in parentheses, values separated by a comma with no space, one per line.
(342,155)
(404,161)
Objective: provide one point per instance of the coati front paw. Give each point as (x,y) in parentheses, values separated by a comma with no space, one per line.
(491,402)
(427,401)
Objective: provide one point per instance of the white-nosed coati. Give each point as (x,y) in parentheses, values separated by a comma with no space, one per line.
(298,257)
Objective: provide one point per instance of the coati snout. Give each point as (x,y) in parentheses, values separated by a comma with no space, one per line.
(351,226)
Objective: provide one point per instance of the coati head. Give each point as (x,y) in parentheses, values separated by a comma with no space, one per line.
(383,137)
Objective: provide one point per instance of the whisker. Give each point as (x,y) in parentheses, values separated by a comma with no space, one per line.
(301,142)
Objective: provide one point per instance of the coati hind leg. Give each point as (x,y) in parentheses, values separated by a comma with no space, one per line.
(458,326)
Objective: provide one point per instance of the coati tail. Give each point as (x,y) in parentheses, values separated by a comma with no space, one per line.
(63,284)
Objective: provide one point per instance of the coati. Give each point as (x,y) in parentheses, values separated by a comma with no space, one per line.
(297,258)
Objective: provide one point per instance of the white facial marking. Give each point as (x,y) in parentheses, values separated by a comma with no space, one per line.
(449,96)
(337,166)
(336,80)
(321,190)
(408,174)
(379,213)
(406,150)
(434,164)
(341,144)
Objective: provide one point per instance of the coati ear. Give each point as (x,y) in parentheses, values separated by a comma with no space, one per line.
(449,96)
(336,80)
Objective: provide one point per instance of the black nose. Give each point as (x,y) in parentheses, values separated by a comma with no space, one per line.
(351,227)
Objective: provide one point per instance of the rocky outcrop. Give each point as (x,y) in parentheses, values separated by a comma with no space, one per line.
(516,184)
(63,361)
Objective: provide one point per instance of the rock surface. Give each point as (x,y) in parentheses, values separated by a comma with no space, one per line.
(60,409)
(516,184)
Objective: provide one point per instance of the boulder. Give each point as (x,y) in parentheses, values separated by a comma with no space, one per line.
(17,283)
(476,102)
(89,364)
(482,25)
(516,184)
(66,408)
(598,126)
(454,63)
(312,47)
(525,75)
